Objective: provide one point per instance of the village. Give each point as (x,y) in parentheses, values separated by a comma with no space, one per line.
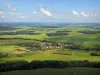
(39,46)
(44,46)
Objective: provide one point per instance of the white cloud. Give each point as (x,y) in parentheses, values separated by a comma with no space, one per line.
(9,6)
(93,14)
(13,9)
(22,17)
(15,15)
(83,14)
(46,12)
(75,13)
(34,13)
(1,14)
(86,15)
(12,13)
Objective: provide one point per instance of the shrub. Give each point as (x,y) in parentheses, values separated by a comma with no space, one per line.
(95,54)
(2,55)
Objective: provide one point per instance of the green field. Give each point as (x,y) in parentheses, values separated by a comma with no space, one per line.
(68,71)
(54,55)
(85,40)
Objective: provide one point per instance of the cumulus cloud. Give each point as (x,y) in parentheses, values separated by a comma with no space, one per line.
(22,17)
(34,13)
(9,6)
(17,16)
(75,13)
(1,14)
(86,15)
(47,13)
(93,14)
(12,13)
(83,14)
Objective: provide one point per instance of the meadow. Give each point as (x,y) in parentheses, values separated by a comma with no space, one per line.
(68,71)
(21,35)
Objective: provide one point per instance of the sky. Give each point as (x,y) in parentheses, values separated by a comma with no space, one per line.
(49,10)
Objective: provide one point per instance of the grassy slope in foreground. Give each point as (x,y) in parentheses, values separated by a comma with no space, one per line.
(48,55)
(67,71)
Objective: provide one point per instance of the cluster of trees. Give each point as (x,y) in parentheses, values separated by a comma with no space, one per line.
(97,28)
(25,65)
(24,32)
(3,54)
(95,54)
(7,28)
(97,48)
(78,47)
(32,46)
(64,31)
(81,47)
(46,40)
(28,44)
(57,34)
(46,26)
(88,32)
(19,32)
(36,33)
(18,38)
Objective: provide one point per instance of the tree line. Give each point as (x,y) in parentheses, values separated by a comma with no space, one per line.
(19,32)
(64,31)
(57,34)
(81,47)
(88,32)
(95,54)
(25,65)
(7,28)
(18,38)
